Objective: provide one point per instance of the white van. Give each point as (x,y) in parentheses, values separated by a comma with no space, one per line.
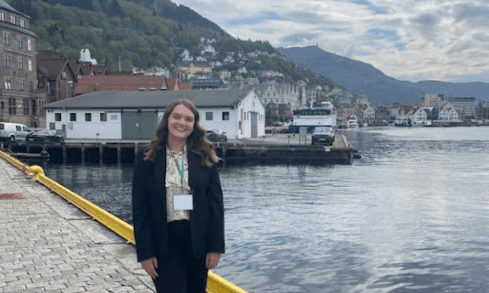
(13,131)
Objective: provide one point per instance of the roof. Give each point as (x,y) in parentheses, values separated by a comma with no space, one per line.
(119,83)
(151,99)
(52,68)
(6,6)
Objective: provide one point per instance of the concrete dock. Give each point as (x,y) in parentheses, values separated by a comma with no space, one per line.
(48,245)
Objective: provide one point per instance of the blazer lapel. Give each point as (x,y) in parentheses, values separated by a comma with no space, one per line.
(160,172)
(193,164)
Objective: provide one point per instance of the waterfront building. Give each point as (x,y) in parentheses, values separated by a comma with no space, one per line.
(19,100)
(448,113)
(134,115)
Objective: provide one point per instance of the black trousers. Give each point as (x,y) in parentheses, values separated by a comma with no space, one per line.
(182,272)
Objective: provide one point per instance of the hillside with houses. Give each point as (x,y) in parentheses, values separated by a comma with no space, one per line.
(35,76)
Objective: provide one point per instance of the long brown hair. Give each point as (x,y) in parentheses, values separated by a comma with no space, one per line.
(196,141)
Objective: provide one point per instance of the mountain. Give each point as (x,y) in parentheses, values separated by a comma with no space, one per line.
(148,33)
(359,77)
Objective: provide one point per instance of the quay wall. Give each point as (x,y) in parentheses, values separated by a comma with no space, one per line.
(259,151)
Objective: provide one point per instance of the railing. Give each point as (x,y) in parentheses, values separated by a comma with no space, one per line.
(215,283)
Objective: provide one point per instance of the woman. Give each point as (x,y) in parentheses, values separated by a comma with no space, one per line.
(177,199)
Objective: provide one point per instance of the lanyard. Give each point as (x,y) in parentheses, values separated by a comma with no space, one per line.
(181,170)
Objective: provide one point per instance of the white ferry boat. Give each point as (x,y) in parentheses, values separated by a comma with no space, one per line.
(318,115)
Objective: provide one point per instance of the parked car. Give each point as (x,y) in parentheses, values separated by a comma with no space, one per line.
(45,136)
(215,137)
(323,136)
(13,131)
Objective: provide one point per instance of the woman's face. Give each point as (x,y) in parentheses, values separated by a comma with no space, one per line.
(180,123)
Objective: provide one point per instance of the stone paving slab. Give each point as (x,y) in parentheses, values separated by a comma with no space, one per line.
(48,245)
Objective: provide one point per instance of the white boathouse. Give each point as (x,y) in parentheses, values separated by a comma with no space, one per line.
(134,115)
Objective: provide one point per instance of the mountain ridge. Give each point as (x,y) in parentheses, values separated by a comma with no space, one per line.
(363,78)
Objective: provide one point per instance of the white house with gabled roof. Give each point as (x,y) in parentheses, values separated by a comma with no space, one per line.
(134,115)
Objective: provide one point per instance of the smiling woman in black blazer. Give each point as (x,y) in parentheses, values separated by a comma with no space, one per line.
(177,200)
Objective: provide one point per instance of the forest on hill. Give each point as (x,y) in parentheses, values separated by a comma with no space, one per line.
(144,33)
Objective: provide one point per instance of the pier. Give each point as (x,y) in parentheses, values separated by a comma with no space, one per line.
(48,245)
(271,149)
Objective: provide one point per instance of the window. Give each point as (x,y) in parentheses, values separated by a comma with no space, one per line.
(209,116)
(8,82)
(6,38)
(20,42)
(29,44)
(21,84)
(113,117)
(12,107)
(88,117)
(20,62)
(103,117)
(57,116)
(225,115)
(26,106)
(6,60)
(12,19)
(29,64)
(22,22)
(2,16)
(34,107)
(72,116)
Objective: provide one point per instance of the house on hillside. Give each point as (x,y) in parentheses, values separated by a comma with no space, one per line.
(134,115)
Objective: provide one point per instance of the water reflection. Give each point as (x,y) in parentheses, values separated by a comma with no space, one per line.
(410,216)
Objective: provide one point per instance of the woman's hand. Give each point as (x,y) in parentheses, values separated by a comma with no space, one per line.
(212,259)
(150,265)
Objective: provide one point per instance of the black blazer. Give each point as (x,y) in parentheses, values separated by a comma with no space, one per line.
(149,207)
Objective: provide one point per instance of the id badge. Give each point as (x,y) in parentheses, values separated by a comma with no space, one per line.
(183,202)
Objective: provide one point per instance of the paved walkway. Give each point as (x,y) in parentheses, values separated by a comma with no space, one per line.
(48,245)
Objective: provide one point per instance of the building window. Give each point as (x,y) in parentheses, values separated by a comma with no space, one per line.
(225,115)
(12,19)
(73,117)
(21,84)
(29,44)
(20,62)
(88,117)
(209,116)
(26,107)
(8,82)
(34,107)
(6,38)
(22,22)
(103,117)
(6,60)
(57,116)
(29,64)
(20,42)
(12,107)
(2,16)
(51,87)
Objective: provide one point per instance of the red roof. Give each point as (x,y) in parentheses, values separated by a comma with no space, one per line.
(88,83)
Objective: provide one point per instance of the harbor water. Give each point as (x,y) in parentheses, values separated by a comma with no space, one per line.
(411,215)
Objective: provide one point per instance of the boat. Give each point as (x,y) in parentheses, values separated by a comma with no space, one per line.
(353,123)
(318,115)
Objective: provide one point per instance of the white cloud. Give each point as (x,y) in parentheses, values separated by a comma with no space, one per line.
(411,39)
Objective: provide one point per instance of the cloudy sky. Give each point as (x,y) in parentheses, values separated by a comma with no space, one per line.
(446,40)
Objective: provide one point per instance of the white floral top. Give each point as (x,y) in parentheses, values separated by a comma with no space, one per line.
(173,183)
